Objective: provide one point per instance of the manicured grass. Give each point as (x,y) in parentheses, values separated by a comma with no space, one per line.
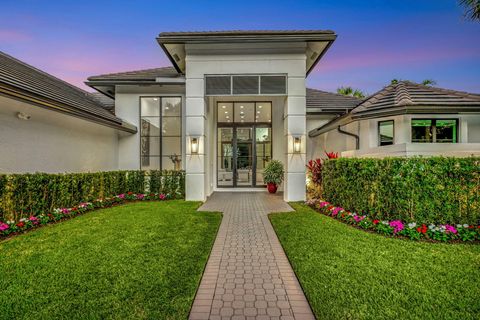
(351,274)
(137,261)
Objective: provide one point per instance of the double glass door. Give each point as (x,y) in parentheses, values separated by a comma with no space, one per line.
(243,151)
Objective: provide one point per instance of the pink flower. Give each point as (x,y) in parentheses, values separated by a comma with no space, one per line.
(3,226)
(323,204)
(161,196)
(336,210)
(121,196)
(34,220)
(65,210)
(397,225)
(140,196)
(358,218)
(449,228)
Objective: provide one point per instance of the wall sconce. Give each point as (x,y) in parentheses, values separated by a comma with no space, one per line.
(297,144)
(194,145)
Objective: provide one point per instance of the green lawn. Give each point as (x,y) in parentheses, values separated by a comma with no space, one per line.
(137,261)
(351,274)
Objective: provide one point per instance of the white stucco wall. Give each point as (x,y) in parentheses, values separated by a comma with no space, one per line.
(127,107)
(468,139)
(198,124)
(53,142)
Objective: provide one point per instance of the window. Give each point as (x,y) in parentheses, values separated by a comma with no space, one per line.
(245,85)
(435,130)
(385,132)
(244,112)
(160,133)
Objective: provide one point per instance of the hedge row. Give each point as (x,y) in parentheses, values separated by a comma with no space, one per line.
(427,190)
(24,194)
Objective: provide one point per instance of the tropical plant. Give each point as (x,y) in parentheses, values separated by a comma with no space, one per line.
(331,155)
(349,91)
(472,9)
(273,172)
(426,82)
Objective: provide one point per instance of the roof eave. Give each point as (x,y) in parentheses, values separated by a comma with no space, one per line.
(65,109)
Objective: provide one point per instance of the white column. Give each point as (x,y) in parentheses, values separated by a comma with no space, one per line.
(195,113)
(295,126)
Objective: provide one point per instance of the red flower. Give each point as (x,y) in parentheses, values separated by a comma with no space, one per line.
(331,155)
(21,224)
(422,229)
(130,193)
(376,221)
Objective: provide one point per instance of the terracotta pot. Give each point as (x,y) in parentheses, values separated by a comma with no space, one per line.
(272,187)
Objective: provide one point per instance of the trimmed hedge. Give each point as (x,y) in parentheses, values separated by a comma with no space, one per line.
(426,190)
(34,193)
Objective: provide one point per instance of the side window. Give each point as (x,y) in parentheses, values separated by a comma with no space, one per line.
(385,133)
(435,130)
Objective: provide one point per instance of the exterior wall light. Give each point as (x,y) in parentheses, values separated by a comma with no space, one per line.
(194,145)
(297,144)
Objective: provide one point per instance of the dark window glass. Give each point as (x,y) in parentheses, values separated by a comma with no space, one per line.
(160,133)
(385,132)
(273,85)
(422,130)
(435,130)
(245,85)
(446,130)
(218,85)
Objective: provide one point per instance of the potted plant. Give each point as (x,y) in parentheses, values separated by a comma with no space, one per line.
(273,175)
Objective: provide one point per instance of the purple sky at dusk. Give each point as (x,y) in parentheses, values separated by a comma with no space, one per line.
(377,40)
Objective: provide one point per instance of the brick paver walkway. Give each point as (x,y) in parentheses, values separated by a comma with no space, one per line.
(248,275)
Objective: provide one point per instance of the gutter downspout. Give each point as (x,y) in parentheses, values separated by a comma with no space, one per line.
(357,138)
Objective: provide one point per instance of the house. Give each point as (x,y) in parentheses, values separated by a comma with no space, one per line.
(231,102)
(405,119)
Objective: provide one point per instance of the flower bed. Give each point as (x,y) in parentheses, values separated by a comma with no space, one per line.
(398,228)
(9,228)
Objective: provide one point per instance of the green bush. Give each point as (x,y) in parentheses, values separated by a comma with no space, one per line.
(34,193)
(427,190)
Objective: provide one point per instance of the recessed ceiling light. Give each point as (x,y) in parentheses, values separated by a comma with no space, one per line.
(242,120)
(223,107)
(242,117)
(241,112)
(269,120)
(167,108)
(258,111)
(226,111)
(241,107)
(259,107)
(155,99)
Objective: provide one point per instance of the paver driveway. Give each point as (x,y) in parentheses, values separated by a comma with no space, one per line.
(248,275)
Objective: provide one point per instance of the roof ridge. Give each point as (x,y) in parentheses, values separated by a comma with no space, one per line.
(130,71)
(402,96)
(452,91)
(336,93)
(375,97)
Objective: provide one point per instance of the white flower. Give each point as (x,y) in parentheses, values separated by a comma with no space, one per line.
(412,225)
(459,226)
(465,225)
(385,223)
(431,226)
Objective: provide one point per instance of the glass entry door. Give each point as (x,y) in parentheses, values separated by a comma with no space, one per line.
(243,153)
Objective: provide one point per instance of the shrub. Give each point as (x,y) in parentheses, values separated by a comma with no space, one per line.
(273,172)
(23,195)
(429,190)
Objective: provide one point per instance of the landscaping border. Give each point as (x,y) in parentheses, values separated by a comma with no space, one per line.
(12,228)
(398,228)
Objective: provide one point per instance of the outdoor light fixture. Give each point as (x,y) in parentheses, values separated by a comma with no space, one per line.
(297,143)
(194,145)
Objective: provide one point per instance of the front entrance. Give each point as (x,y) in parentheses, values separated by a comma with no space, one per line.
(243,148)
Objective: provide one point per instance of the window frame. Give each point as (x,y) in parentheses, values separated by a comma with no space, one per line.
(378,133)
(259,84)
(160,118)
(434,129)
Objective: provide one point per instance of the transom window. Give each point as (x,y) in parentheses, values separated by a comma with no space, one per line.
(385,133)
(226,85)
(160,133)
(435,130)
(244,112)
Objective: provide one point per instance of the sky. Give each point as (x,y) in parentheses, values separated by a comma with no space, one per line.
(378,40)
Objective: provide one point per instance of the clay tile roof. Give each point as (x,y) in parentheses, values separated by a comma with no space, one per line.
(407,93)
(327,102)
(106,102)
(137,75)
(17,76)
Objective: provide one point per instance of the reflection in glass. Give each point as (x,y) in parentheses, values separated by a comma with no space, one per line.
(385,132)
